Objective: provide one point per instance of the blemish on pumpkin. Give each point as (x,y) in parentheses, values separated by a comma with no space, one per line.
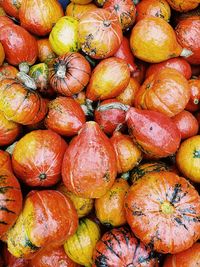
(42,176)
(4,223)
(29,244)
(106,177)
(196,154)
(4,189)
(6,209)
(178,220)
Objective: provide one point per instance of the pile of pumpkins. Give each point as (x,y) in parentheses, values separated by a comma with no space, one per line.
(99,133)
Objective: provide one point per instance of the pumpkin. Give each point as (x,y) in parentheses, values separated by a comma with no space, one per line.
(175,205)
(12,261)
(155,8)
(154,133)
(186,123)
(79,247)
(89,165)
(77,11)
(185,31)
(69,74)
(45,52)
(177,63)
(188,158)
(2,54)
(2,11)
(83,206)
(9,131)
(65,116)
(128,95)
(81,2)
(154,40)
(43,152)
(63,37)
(5,160)
(194,101)
(20,103)
(124,10)
(109,79)
(183,6)
(8,71)
(47,218)
(12,36)
(5,21)
(52,258)
(127,153)
(11,7)
(189,257)
(100,33)
(119,247)
(11,199)
(166,91)
(109,208)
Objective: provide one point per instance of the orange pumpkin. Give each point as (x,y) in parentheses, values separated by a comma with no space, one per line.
(2,54)
(89,165)
(194,102)
(166,91)
(175,206)
(8,71)
(100,33)
(11,7)
(45,52)
(5,21)
(78,10)
(183,6)
(5,160)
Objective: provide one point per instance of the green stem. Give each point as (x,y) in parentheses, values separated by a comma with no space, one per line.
(24,67)
(61,71)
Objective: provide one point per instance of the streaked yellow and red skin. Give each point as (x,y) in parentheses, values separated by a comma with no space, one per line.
(5,160)
(8,71)
(12,261)
(11,7)
(45,52)
(194,102)
(40,165)
(89,165)
(78,10)
(183,6)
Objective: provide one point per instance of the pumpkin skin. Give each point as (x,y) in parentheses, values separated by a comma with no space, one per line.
(11,200)
(178,63)
(139,73)
(189,257)
(92,171)
(79,247)
(119,247)
(11,7)
(124,10)
(109,79)
(52,258)
(69,74)
(9,131)
(176,207)
(154,133)
(183,6)
(47,219)
(65,116)
(2,11)
(40,74)
(5,21)
(109,208)
(100,33)
(77,11)
(186,123)
(5,160)
(12,36)
(45,52)
(166,91)
(20,104)
(8,71)
(194,102)
(188,158)
(43,152)
(11,261)
(153,40)
(127,153)
(2,54)
(185,31)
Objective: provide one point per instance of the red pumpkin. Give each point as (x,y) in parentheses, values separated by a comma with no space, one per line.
(186,258)
(8,71)
(109,79)
(124,10)
(69,74)
(5,21)
(186,123)
(12,36)
(11,7)
(11,200)
(185,32)
(155,133)
(100,33)
(65,116)
(5,161)
(89,165)
(43,152)
(124,52)
(12,261)
(194,102)
(175,206)
(39,18)
(119,247)
(177,63)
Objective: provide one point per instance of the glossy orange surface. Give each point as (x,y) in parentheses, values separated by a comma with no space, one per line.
(194,102)
(183,6)
(11,7)
(5,160)
(8,71)
(2,54)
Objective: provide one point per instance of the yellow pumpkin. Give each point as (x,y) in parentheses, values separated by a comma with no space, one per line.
(64,36)
(76,10)
(80,246)
(2,54)
(83,206)
(188,158)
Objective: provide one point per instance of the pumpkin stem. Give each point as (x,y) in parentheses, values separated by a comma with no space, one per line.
(167,208)
(11,148)
(24,67)
(186,52)
(61,71)
(106,23)
(27,80)
(125,175)
(114,105)
(88,108)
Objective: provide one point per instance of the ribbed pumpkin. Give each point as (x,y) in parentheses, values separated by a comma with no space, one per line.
(39,17)
(119,247)
(79,247)
(175,205)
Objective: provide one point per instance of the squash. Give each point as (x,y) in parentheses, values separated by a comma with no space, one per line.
(77,11)
(8,71)
(45,52)
(79,247)
(5,21)
(194,101)
(11,7)
(5,160)
(12,261)
(89,165)
(175,205)
(183,6)
(2,54)
(119,247)
(100,33)
(43,152)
